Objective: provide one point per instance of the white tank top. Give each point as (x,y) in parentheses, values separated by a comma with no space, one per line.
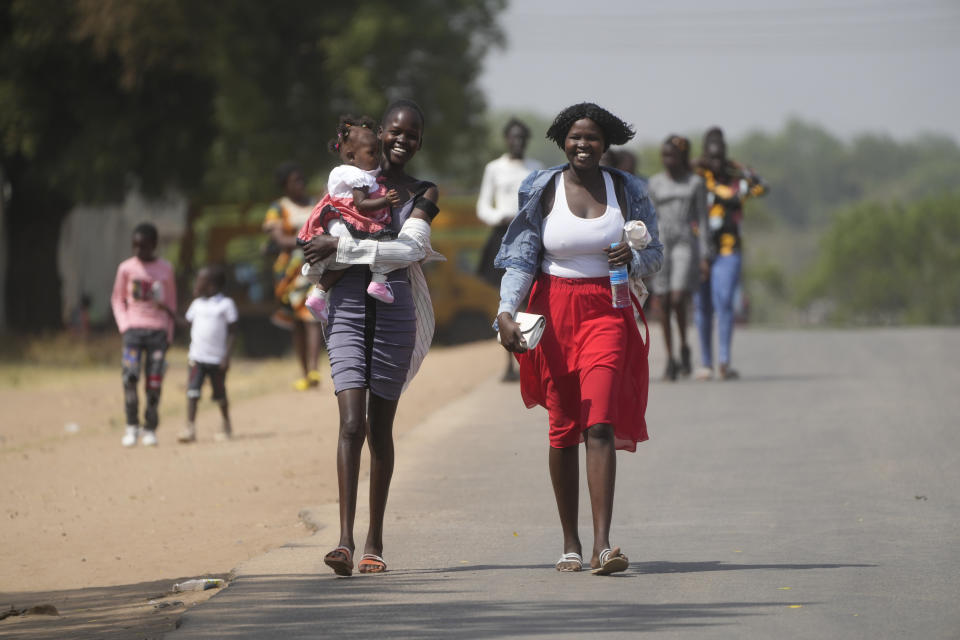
(573,247)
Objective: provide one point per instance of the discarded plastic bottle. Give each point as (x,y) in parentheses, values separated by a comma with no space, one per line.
(619,284)
(198,584)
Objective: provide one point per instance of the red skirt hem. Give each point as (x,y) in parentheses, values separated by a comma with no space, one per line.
(591,364)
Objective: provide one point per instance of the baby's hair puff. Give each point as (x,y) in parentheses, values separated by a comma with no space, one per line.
(348,122)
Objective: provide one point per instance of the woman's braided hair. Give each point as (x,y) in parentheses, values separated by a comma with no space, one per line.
(348,122)
(615,130)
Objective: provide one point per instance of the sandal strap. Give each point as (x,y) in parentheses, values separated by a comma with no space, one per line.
(605,555)
(346,551)
(571,557)
(372,556)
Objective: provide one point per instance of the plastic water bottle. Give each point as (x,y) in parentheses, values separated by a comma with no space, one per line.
(619,284)
(198,584)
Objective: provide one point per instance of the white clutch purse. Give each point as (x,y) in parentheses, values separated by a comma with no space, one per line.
(531,326)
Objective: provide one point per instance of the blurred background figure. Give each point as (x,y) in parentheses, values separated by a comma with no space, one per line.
(623,159)
(144,300)
(497,204)
(680,199)
(80,318)
(213,330)
(283,220)
(728,185)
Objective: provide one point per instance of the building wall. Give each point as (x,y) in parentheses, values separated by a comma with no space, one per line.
(95,239)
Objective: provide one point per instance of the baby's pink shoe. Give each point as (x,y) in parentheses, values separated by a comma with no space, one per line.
(381,291)
(318,307)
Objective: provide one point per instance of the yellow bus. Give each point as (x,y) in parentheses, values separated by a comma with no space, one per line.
(464,304)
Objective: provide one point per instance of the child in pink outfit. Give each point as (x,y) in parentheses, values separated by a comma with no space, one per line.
(143,287)
(355,204)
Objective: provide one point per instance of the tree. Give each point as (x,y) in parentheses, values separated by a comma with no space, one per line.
(892,263)
(207,98)
(813,173)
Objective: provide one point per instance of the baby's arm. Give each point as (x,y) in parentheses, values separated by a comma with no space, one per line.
(413,244)
(365,204)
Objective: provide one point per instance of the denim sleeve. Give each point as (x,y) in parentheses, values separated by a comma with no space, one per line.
(647,261)
(521,245)
(514,287)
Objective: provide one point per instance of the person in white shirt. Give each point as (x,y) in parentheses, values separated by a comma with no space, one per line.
(497,204)
(213,323)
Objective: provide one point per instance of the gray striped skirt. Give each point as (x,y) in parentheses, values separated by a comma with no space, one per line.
(370,343)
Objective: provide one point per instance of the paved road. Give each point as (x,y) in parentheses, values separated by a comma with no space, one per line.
(818,497)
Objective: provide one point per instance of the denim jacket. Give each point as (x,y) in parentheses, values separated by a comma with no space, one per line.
(522,250)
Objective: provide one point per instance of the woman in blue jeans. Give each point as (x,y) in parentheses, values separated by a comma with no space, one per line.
(728,185)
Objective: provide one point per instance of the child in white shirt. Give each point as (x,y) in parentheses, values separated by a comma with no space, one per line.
(213,323)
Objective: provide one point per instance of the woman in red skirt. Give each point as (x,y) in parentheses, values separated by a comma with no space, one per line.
(590,369)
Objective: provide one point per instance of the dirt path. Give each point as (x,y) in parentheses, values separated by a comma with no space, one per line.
(97,530)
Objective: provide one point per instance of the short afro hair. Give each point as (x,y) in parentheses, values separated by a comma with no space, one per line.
(615,130)
(680,144)
(404,104)
(148,231)
(513,122)
(217,275)
(713,134)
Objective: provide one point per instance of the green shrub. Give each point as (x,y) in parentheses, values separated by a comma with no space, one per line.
(891,263)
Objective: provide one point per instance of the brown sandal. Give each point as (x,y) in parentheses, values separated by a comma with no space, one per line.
(340,560)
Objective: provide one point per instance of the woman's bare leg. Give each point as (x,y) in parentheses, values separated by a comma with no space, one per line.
(565,475)
(666,311)
(680,303)
(601,480)
(353,428)
(300,344)
(380,442)
(663,301)
(314,335)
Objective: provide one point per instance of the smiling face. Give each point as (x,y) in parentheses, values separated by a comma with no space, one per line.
(401,135)
(584,144)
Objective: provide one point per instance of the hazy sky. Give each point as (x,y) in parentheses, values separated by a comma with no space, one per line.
(680,66)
